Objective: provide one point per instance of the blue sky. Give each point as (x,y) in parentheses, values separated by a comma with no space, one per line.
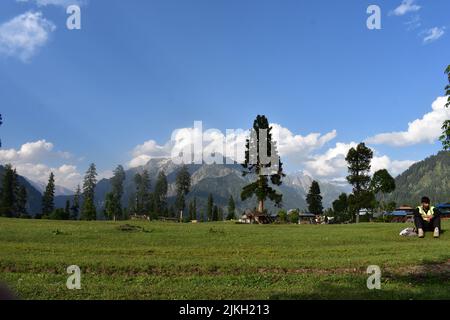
(139,69)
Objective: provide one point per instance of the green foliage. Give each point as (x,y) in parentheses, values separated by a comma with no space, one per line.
(294,216)
(142,203)
(263,171)
(75,209)
(160,194)
(9,192)
(382,181)
(314,199)
(429,177)
(215,215)
(21,203)
(48,202)
(282,216)
(59,214)
(359,160)
(210,207)
(445,137)
(183,185)
(231,209)
(113,201)
(89,212)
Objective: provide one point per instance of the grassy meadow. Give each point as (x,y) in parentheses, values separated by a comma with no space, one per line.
(163,260)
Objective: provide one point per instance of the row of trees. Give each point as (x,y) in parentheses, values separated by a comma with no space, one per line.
(82,206)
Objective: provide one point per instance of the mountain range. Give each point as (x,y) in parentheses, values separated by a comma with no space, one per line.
(430,177)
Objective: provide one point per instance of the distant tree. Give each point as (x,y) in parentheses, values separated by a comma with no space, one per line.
(183,185)
(89,212)
(255,164)
(143,200)
(382,182)
(282,216)
(210,207)
(171,211)
(67,209)
(340,205)
(59,214)
(294,216)
(194,208)
(48,198)
(111,205)
(22,201)
(445,137)
(220,214)
(314,199)
(75,209)
(8,192)
(231,209)
(340,208)
(191,211)
(113,201)
(160,194)
(215,214)
(359,160)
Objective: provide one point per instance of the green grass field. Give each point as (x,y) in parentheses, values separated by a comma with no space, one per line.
(220,261)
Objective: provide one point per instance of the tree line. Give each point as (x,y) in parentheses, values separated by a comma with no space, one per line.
(143,202)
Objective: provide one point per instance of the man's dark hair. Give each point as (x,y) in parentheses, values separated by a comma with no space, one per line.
(425,200)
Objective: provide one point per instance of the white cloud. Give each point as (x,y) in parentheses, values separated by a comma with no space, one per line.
(24,35)
(297,146)
(29,161)
(290,145)
(331,165)
(424,130)
(30,151)
(433,34)
(395,167)
(414,23)
(62,3)
(65,175)
(405,7)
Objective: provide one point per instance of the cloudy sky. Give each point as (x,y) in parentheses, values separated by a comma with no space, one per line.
(116,90)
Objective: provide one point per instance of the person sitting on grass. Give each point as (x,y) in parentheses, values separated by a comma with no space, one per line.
(427,218)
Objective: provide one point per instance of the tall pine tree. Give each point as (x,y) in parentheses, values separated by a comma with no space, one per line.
(359,160)
(48,198)
(8,194)
(160,194)
(261,160)
(88,211)
(142,196)
(113,202)
(22,202)
(314,199)
(75,209)
(183,185)
(231,209)
(210,208)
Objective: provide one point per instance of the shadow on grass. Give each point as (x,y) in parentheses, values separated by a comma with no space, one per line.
(423,283)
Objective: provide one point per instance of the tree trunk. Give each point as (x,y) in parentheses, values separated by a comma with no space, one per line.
(357,217)
(261,206)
